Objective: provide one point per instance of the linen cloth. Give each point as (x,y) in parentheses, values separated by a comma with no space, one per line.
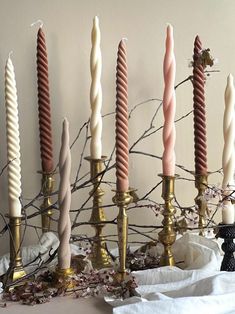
(198,288)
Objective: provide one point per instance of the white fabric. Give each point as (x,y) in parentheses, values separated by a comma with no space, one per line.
(199,288)
(47,243)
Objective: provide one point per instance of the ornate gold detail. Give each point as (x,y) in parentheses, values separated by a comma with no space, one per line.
(122,200)
(168,235)
(99,255)
(201,185)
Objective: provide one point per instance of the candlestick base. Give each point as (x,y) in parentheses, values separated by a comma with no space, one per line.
(122,200)
(47,186)
(99,256)
(168,235)
(227,232)
(201,185)
(15,270)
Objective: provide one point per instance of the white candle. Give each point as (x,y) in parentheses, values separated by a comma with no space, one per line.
(95,92)
(64,223)
(13,141)
(228,159)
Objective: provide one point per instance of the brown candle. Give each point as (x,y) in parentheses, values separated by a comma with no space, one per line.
(122,120)
(44,105)
(200,148)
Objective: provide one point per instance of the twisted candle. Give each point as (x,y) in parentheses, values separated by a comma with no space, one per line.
(44,105)
(13,141)
(169,105)
(122,156)
(200,148)
(64,223)
(95,92)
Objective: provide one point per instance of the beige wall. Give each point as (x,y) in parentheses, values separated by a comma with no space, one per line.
(67,25)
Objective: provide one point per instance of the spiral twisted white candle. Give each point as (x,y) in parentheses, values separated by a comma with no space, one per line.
(64,224)
(169,105)
(228,159)
(96,92)
(13,141)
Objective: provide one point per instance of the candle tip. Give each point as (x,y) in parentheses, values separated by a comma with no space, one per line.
(124,39)
(40,22)
(10,53)
(96,20)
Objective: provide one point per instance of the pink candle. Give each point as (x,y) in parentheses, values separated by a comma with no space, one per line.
(122,150)
(169,105)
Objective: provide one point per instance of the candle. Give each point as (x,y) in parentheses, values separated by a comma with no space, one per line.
(228,159)
(64,224)
(200,148)
(44,105)
(13,141)
(169,106)
(122,150)
(95,92)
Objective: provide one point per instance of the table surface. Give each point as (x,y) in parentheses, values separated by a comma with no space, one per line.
(61,305)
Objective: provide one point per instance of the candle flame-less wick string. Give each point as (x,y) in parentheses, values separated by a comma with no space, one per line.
(40,22)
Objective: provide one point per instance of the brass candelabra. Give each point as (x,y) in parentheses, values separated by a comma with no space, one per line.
(99,255)
(167,235)
(47,184)
(122,200)
(15,270)
(201,185)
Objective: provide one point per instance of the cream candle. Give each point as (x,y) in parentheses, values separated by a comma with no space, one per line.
(64,223)
(13,141)
(95,92)
(228,161)
(169,106)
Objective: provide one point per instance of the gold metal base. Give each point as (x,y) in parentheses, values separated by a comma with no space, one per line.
(122,200)
(168,235)
(15,270)
(47,184)
(201,185)
(99,256)
(64,274)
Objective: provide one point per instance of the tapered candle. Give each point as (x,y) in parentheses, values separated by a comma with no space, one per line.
(95,92)
(44,105)
(200,148)
(122,151)
(228,159)
(13,141)
(169,106)
(64,224)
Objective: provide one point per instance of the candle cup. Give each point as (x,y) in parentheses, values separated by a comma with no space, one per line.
(64,275)
(122,200)
(99,255)
(168,235)
(227,232)
(47,186)
(15,270)
(201,185)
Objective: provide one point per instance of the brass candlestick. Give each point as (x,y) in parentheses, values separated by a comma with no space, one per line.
(168,235)
(47,189)
(99,255)
(63,275)
(122,200)
(201,185)
(15,270)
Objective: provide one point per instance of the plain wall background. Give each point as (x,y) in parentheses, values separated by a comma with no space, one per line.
(67,25)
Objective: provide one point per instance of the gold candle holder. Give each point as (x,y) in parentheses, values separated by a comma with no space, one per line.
(122,200)
(64,275)
(15,270)
(168,235)
(47,184)
(99,255)
(201,185)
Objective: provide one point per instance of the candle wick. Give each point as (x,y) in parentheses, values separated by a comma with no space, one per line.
(10,53)
(40,22)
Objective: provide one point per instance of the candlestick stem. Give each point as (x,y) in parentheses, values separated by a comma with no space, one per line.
(168,235)
(15,270)
(99,255)
(47,184)
(201,185)
(122,200)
